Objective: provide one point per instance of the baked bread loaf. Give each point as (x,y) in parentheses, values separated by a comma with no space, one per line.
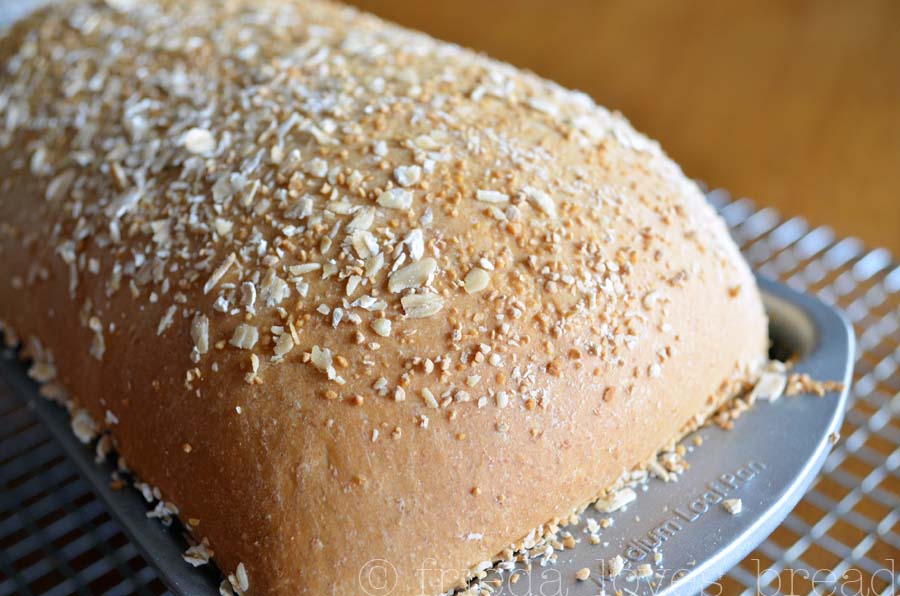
(342,292)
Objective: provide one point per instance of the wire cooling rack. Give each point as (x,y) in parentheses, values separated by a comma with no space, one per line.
(842,539)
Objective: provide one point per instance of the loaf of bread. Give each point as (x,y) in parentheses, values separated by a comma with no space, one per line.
(345,293)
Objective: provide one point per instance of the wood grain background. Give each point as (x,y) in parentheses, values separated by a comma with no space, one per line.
(795,104)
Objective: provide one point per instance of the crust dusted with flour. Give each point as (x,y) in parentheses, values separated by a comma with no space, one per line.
(343,292)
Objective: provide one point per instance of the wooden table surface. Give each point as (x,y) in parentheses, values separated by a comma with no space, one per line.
(793,104)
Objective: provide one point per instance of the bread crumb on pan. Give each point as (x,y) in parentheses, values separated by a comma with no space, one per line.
(733,506)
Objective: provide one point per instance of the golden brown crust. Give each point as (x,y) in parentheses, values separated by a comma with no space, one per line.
(350,293)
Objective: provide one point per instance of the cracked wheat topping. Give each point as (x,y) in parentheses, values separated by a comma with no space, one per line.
(293,170)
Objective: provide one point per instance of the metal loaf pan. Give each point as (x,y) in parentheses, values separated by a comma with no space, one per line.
(768,461)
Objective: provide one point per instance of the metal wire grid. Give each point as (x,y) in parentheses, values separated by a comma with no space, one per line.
(55,536)
(843,538)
